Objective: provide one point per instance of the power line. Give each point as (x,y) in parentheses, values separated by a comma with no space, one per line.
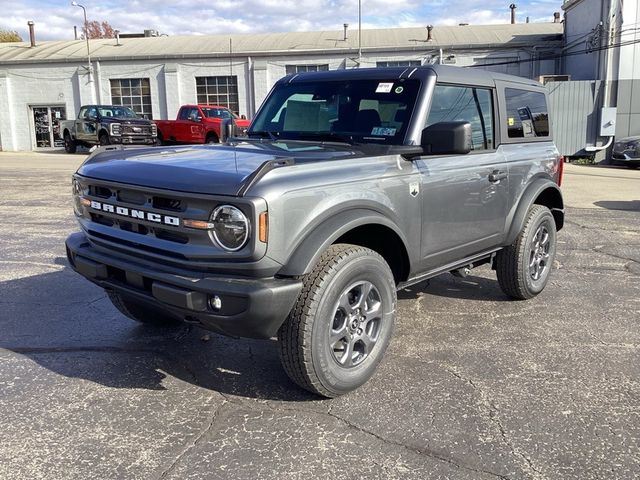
(560,55)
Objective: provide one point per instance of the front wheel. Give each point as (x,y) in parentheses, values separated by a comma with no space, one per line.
(69,143)
(341,324)
(104,139)
(523,267)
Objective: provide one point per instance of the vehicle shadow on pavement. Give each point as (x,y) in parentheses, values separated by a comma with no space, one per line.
(629,205)
(448,286)
(67,325)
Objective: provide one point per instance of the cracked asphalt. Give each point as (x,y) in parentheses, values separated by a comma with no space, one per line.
(473,386)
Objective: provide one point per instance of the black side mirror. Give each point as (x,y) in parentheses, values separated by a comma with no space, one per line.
(227,129)
(243,117)
(447,138)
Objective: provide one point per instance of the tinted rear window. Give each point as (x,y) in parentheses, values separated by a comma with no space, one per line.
(527,114)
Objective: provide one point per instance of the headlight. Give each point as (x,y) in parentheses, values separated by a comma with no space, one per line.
(116,129)
(230,227)
(76,190)
(154,130)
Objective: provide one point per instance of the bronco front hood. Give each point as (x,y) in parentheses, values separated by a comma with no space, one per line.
(209,169)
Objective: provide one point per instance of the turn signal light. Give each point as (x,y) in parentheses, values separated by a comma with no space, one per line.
(85,201)
(263,227)
(199,224)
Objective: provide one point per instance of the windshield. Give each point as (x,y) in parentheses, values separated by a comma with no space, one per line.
(355,111)
(119,112)
(217,113)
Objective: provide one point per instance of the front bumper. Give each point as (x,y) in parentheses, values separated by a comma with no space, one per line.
(250,307)
(627,156)
(133,140)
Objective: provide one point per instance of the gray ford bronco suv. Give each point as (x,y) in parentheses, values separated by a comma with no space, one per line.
(351,184)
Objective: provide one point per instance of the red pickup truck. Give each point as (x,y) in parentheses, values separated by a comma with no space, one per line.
(198,124)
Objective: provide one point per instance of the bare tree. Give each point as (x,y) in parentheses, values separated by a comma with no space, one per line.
(97,29)
(9,36)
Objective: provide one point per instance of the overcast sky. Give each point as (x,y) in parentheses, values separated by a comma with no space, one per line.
(55,19)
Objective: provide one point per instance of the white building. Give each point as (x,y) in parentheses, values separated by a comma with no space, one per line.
(45,83)
(603,43)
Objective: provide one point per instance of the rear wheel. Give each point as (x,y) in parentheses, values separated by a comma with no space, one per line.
(69,143)
(523,268)
(140,313)
(339,329)
(104,139)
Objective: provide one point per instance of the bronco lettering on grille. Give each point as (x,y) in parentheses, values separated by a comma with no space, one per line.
(133,213)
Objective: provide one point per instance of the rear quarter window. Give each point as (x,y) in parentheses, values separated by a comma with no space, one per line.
(527,113)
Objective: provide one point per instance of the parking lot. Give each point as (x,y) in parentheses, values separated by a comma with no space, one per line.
(473,385)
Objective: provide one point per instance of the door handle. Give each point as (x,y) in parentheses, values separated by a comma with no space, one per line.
(496,176)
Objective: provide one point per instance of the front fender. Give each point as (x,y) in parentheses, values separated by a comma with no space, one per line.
(309,250)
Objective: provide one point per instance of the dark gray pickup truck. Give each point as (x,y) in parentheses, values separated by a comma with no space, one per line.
(352,184)
(106,125)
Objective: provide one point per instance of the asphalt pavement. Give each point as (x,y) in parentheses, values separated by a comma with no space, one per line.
(473,386)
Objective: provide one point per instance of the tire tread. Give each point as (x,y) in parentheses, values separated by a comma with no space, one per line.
(295,333)
(509,268)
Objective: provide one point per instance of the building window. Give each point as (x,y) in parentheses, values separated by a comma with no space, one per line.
(221,91)
(399,63)
(467,104)
(527,114)
(305,68)
(134,93)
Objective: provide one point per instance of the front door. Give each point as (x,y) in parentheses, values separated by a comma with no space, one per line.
(464,196)
(46,126)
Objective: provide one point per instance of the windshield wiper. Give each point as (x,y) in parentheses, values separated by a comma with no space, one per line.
(264,133)
(329,136)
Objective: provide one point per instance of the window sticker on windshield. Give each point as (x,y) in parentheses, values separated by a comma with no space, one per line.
(383,131)
(399,90)
(384,88)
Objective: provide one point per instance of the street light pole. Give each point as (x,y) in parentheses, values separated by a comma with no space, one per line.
(86,36)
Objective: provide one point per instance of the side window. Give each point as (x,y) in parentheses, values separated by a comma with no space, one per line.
(183,114)
(527,114)
(83,112)
(92,112)
(469,104)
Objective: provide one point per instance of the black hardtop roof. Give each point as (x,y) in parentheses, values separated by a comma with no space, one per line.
(445,74)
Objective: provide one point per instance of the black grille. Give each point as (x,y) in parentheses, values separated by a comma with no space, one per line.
(99,191)
(136,130)
(164,203)
(129,196)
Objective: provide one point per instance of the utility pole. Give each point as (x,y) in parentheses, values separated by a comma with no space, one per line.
(359,32)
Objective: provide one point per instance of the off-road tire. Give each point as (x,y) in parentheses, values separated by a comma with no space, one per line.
(70,145)
(103,139)
(304,339)
(512,262)
(140,313)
